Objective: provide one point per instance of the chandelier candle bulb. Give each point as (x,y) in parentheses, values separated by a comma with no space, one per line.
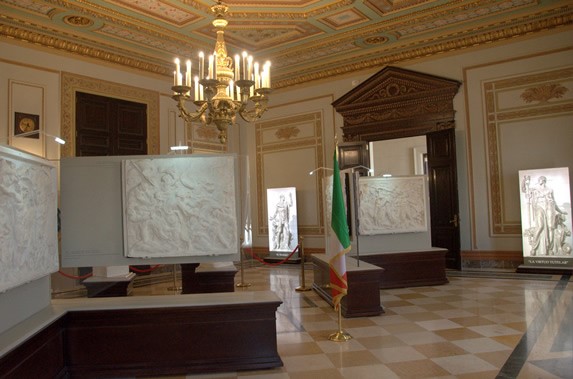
(257,76)
(196,87)
(214,66)
(250,67)
(188,74)
(245,77)
(210,68)
(201,65)
(237,68)
(177,70)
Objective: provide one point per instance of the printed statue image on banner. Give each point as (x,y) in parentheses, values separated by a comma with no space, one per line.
(282,217)
(546,216)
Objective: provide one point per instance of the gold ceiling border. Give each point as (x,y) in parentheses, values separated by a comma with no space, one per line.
(72,83)
(380,59)
(499,223)
(22,35)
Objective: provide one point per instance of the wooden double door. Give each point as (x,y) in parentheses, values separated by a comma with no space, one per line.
(109,126)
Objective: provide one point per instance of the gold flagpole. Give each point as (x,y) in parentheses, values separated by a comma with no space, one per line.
(340,335)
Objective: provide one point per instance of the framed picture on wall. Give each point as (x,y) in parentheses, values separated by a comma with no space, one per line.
(26,125)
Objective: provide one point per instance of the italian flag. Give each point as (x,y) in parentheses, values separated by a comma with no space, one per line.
(339,239)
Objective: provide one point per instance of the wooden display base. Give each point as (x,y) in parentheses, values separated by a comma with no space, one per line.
(410,268)
(113,286)
(546,270)
(205,278)
(144,336)
(363,297)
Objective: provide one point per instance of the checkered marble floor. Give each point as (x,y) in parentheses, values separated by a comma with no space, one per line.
(497,325)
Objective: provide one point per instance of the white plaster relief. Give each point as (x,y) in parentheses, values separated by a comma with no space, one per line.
(28,219)
(392,205)
(183,206)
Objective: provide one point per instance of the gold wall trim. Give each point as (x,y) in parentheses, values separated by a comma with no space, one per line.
(72,83)
(495,117)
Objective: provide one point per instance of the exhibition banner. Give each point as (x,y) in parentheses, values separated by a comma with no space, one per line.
(546,217)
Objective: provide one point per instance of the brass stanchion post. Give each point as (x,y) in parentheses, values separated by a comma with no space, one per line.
(175,286)
(242,269)
(303,286)
(340,335)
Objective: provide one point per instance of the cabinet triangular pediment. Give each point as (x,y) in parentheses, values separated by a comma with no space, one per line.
(395,102)
(393,84)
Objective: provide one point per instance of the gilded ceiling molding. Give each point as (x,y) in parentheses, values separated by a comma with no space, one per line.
(380,59)
(72,83)
(81,50)
(291,15)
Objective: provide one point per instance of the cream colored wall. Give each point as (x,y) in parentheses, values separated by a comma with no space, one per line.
(473,182)
(396,157)
(277,159)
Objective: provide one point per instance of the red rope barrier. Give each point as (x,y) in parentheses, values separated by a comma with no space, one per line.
(272,264)
(145,270)
(75,276)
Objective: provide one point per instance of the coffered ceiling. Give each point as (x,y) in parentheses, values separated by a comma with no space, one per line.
(305,40)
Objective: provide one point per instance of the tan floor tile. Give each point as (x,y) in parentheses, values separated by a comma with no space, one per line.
(496,358)
(422,316)
(509,341)
(436,306)
(471,321)
(463,364)
(403,328)
(440,349)
(417,369)
(396,303)
(407,296)
(457,334)
(381,342)
(299,349)
(353,358)
(316,374)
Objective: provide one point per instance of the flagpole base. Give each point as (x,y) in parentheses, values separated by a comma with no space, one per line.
(340,336)
(243,284)
(302,289)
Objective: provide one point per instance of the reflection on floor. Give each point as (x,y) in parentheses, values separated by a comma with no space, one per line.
(480,325)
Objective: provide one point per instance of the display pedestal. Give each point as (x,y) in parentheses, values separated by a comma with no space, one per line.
(363,298)
(113,286)
(410,268)
(208,278)
(546,270)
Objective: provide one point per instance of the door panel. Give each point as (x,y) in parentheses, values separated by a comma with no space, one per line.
(108,126)
(443,194)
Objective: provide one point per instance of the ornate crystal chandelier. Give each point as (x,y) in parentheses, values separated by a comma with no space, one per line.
(225,87)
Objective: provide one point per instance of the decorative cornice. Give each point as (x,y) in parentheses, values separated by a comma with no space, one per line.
(74,48)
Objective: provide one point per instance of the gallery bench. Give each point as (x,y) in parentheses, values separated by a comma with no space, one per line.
(144,336)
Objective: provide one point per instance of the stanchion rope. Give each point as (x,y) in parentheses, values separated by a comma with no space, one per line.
(249,250)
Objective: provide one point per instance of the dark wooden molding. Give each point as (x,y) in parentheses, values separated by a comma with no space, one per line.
(397,103)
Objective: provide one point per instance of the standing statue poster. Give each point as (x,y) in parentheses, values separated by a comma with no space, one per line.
(546,217)
(282,216)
